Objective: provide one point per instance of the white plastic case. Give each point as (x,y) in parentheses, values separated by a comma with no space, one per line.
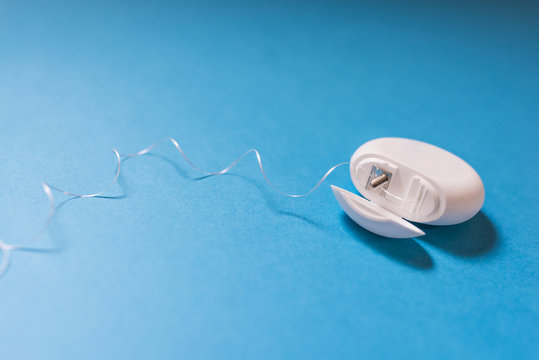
(409,179)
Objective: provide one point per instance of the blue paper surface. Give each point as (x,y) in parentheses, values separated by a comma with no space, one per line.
(225,267)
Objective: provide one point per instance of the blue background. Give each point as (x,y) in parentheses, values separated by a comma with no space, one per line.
(225,267)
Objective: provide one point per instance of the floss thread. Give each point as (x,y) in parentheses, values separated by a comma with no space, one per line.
(6,249)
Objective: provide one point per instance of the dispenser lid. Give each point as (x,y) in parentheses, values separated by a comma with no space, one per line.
(373,217)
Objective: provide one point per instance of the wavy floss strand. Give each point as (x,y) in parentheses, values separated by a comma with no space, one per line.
(48,189)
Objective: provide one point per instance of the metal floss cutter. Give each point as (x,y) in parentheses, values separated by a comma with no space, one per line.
(409,179)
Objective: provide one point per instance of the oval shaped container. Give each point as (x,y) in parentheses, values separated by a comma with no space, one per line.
(409,179)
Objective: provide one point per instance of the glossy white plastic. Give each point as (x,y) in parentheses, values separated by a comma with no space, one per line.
(423,183)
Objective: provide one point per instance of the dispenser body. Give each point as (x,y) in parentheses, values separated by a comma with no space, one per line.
(409,179)
(427,184)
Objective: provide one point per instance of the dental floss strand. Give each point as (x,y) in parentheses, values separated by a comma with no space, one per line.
(7,248)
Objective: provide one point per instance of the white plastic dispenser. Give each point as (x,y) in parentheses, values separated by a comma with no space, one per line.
(403,179)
